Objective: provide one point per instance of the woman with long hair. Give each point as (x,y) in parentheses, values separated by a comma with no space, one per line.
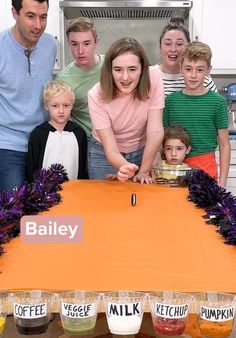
(126,113)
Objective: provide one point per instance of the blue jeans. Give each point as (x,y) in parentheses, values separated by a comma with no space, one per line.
(99,167)
(12,168)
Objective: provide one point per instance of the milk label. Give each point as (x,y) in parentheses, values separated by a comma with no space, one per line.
(124,310)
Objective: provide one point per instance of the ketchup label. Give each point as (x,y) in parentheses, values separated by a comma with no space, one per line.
(171,311)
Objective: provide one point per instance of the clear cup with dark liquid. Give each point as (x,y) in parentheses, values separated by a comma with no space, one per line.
(32,311)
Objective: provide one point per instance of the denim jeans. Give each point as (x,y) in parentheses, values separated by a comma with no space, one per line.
(12,168)
(99,167)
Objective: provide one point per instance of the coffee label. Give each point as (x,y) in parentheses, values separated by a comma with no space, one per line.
(30,311)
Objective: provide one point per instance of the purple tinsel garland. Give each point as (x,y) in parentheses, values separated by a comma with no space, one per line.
(219,204)
(29,199)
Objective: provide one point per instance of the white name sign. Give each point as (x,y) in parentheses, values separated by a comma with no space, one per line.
(30,311)
(172,311)
(217,314)
(129,309)
(78,310)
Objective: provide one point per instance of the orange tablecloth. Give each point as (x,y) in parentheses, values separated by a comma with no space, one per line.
(160,244)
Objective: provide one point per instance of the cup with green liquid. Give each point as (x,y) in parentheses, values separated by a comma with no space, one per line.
(78,311)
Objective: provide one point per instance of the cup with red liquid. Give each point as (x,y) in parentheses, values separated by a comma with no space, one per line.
(170,311)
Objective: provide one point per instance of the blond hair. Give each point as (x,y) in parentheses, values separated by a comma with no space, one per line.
(122,46)
(57,87)
(81,24)
(195,51)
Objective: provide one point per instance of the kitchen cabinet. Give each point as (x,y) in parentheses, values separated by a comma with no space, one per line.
(3,20)
(53,25)
(6,18)
(213,22)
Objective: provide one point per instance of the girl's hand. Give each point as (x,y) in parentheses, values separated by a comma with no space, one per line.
(126,171)
(143,177)
(111,177)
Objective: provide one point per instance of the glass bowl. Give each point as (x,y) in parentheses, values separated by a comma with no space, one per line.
(172,175)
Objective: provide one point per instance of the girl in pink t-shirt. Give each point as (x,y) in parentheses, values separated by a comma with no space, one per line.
(126,113)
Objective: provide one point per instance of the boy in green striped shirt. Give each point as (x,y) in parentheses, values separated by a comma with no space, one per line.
(202,112)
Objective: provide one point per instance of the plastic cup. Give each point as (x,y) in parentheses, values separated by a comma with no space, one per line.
(32,311)
(4,299)
(216,314)
(124,311)
(169,311)
(78,311)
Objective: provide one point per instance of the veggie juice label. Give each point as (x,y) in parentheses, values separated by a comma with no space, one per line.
(78,310)
(171,311)
(217,314)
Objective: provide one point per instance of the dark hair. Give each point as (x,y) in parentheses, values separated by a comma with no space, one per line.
(178,133)
(17,4)
(122,46)
(175,24)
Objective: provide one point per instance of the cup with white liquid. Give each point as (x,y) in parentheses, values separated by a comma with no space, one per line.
(124,311)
